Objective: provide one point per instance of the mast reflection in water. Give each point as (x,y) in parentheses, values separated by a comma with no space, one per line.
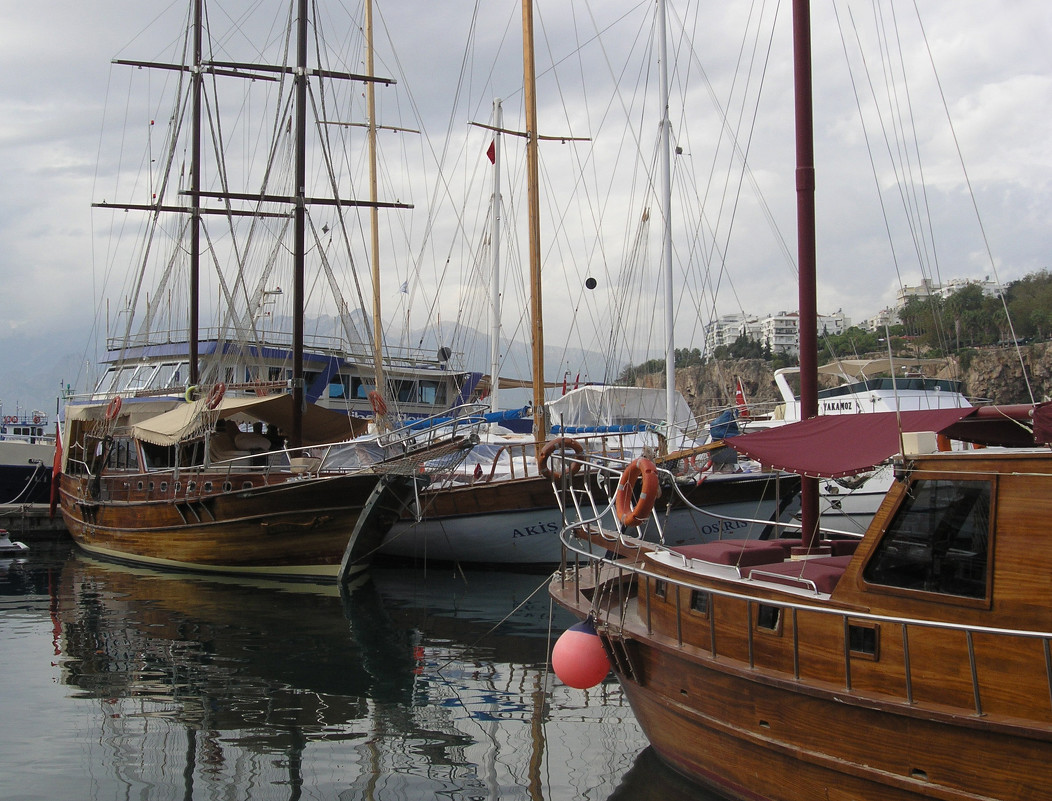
(122,682)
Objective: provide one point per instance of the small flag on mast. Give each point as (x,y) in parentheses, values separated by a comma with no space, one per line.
(491,154)
(739,399)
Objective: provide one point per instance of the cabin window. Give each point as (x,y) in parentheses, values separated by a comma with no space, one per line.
(938,540)
(863,640)
(164,486)
(158,457)
(208,486)
(404,391)
(769,618)
(433,393)
(361,388)
(660,588)
(122,455)
(336,387)
(699,601)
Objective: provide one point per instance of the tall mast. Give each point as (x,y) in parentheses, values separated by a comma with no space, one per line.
(666,217)
(299,231)
(195,199)
(494,344)
(370,96)
(532,190)
(806,250)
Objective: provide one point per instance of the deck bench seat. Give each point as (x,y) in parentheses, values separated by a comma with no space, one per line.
(824,572)
(740,553)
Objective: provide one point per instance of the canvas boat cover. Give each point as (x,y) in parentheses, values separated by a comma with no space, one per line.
(320,425)
(831,446)
(604,406)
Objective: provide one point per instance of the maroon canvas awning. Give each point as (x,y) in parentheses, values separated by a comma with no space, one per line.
(840,445)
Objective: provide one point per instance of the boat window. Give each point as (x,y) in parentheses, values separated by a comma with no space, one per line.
(660,588)
(404,391)
(864,639)
(142,376)
(122,455)
(699,601)
(163,377)
(123,378)
(769,618)
(107,382)
(158,457)
(433,393)
(938,540)
(336,387)
(361,388)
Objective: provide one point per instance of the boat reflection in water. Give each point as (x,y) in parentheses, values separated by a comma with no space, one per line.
(414,685)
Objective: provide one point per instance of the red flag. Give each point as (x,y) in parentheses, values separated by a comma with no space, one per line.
(739,399)
(478,471)
(56,472)
(491,154)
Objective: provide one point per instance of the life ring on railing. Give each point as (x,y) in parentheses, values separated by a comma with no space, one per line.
(114,407)
(215,395)
(559,443)
(632,515)
(36,419)
(376,400)
(188,396)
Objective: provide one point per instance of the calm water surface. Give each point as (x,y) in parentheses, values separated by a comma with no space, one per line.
(125,683)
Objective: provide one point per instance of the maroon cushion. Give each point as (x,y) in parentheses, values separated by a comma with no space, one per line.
(743,553)
(825,572)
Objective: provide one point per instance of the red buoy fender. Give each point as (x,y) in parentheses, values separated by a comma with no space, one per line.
(578,658)
(114,407)
(632,515)
(557,444)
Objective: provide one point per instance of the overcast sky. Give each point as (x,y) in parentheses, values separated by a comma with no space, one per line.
(972,151)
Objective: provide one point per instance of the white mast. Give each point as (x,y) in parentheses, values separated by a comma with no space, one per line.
(494,343)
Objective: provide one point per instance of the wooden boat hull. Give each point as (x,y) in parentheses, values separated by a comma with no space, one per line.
(283,526)
(753,739)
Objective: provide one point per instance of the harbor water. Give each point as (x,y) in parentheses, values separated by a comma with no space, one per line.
(128,683)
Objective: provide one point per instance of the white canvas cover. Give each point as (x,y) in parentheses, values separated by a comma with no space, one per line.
(617,406)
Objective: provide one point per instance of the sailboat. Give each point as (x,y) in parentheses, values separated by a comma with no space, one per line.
(505,512)
(158,463)
(911,663)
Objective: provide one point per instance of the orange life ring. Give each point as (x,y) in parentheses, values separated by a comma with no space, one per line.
(632,515)
(36,419)
(376,400)
(114,407)
(215,395)
(559,443)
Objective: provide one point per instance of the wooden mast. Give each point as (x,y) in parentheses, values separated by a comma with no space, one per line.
(299,231)
(806,250)
(370,96)
(666,240)
(540,425)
